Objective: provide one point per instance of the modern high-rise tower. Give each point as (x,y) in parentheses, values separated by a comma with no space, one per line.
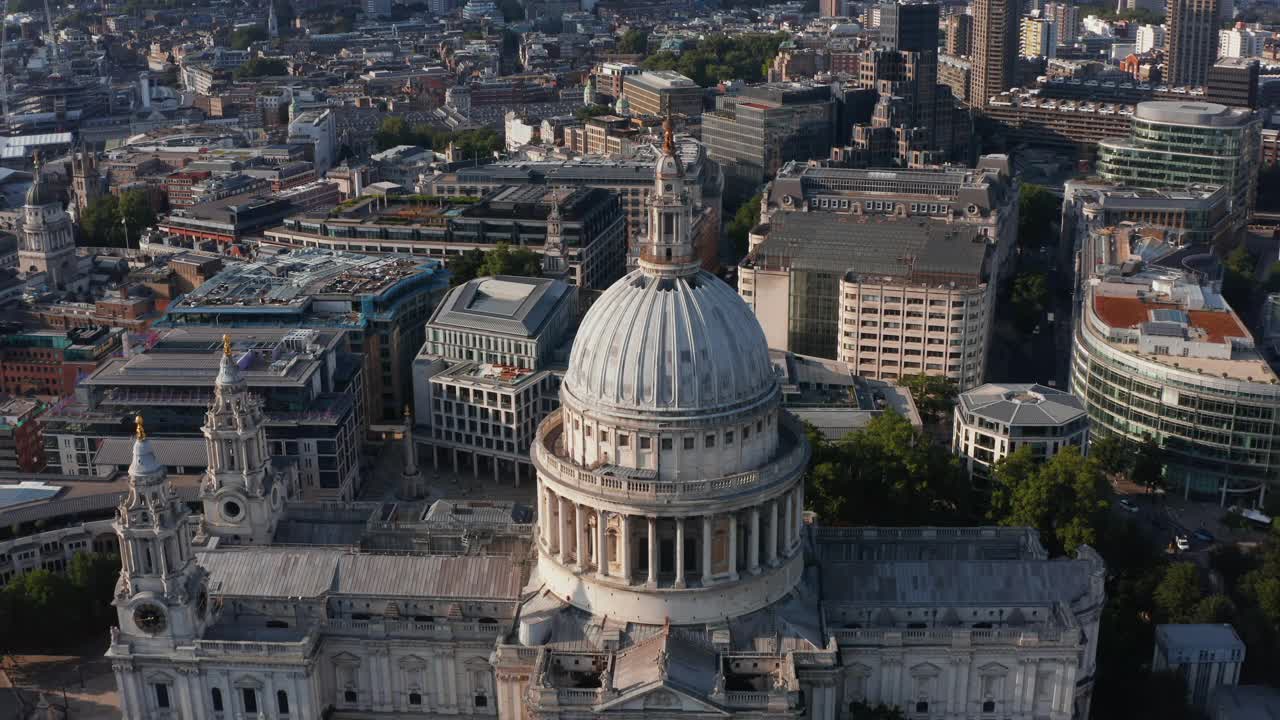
(995,48)
(1193,41)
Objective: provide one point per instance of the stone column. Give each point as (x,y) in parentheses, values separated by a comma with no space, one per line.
(653,552)
(679,552)
(625,538)
(753,542)
(602,544)
(799,510)
(788,519)
(706,550)
(733,546)
(562,525)
(771,544)
(580,538)
(544,509)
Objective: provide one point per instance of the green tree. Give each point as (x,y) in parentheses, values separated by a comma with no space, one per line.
(634,42)
(261,67)
(1038,211)
(1148,464)
(501,260)
(1178,595)
(722,57)
(746,217)
(1112,454)
(1030,296)
(934,395)
(101,225)
(243,37)
(589,111)
(1214,609)
(887,473)
(1062,497)
(1239,279)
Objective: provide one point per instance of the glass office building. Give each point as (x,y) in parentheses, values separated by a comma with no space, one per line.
(1156,353)
(1175,144)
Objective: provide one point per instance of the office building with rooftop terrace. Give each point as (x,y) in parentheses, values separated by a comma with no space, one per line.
(890,297)
(490,371)
(309,384)
(381,302)
(631,179)
(1158,352)
(592,227)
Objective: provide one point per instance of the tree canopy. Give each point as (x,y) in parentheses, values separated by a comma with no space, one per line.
(100,222)
(634,42)
(502,260)
(243,37)
(41,609)
(1239,278)
(1062,497)
(261,67)
(1038,211)
(887,473)
(722,57)
(393,131)
(1030,297)
(934,395)
(746,217)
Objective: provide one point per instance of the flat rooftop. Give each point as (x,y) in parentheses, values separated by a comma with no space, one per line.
(190,357)
(506,305)
(912,250)
(293,279)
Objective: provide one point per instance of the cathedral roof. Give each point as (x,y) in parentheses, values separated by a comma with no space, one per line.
(267,572)
(669,344)
(41,192)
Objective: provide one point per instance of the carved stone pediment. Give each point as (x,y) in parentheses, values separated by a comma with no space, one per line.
(663,698)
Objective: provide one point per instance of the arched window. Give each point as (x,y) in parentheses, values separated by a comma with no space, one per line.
(217,699)
(282,702)
(415,698)
(989,706)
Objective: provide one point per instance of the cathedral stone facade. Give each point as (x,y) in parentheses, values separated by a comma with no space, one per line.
(671,569)
(46,239)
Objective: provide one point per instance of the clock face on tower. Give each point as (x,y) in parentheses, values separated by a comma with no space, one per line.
(149,618)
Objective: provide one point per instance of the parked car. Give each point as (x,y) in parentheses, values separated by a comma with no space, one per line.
(1128,505)
(1182,542)
(1203,535)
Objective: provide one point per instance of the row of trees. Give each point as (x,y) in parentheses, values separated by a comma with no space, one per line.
(502,260)
(721,57)
(259,66)
(101,221)
(395,131)
(887,473)
(43,610)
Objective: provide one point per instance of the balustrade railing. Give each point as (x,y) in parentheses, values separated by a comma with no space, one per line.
(569,473)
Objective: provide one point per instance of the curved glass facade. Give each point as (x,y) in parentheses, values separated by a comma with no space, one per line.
(1219,434)
(1160,154)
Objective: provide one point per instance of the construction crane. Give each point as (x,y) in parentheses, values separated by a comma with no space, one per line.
(53,39)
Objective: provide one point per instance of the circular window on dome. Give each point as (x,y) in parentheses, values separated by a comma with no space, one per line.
(231,509)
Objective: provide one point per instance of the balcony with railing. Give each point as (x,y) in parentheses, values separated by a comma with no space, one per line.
(608,482)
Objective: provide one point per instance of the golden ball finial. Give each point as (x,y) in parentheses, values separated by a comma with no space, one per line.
(226,345)
(141,431)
